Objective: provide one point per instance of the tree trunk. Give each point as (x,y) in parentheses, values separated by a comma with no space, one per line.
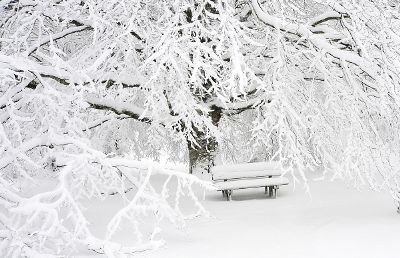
(203,154)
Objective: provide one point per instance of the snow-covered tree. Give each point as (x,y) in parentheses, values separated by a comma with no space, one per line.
(87,86)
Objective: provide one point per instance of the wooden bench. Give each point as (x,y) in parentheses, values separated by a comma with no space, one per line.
(250,175)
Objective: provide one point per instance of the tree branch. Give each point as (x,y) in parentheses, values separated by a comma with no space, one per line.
(120,108)
(57,36)
(317,40)
(327,16)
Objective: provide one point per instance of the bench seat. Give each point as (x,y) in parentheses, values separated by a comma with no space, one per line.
(250,183)
(247,167)
(245,174)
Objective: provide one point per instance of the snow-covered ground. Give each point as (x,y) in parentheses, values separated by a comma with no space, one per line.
(335,221)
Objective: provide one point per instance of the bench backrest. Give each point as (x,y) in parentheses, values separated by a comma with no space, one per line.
(259,169)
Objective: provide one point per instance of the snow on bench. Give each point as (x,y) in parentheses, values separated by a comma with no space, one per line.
(250,175)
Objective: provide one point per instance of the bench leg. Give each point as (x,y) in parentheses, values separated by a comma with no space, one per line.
(274,190)
(274,193)
(267,190)
(223,193)
(229,195)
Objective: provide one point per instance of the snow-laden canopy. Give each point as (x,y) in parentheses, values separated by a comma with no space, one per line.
(306,83)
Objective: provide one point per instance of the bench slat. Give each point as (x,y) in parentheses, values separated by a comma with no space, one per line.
(257,166)
(245,174)
(249,183)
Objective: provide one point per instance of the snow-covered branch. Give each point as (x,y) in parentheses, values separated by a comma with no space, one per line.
(119,108)
(317,40)
(327,16)
(57,36)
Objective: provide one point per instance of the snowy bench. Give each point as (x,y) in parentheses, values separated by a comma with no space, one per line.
(250,175)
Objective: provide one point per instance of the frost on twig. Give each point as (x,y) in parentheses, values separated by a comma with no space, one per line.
(54,221)
(50,172)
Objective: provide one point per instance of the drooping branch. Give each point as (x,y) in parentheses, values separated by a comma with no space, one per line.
(120,108)
(66,78)
(111,82)
(237,107)
(103,120)
(56,36)
(317,40)
(327,16)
